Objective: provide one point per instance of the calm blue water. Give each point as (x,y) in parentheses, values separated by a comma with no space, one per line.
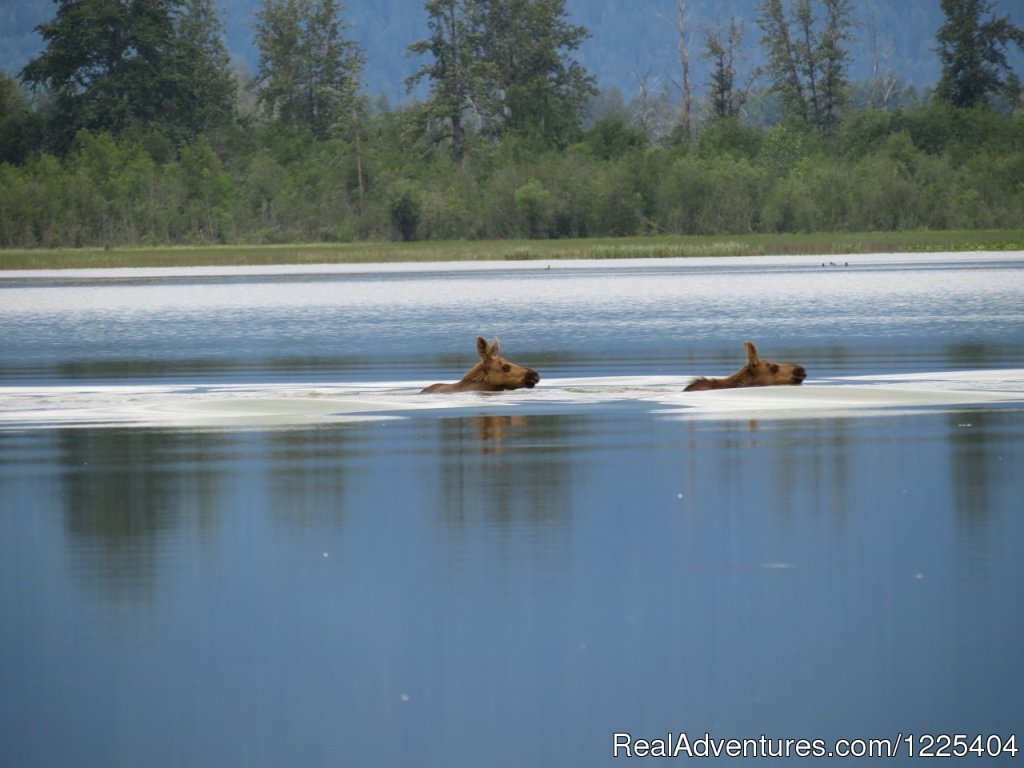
(482,587)
(880,314)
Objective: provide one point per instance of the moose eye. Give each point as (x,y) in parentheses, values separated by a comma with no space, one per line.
(774,368)
(506,367)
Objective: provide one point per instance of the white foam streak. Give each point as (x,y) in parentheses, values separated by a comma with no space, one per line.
(234,406)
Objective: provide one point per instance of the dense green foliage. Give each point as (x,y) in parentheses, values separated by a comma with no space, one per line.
(936,167)
(328,167)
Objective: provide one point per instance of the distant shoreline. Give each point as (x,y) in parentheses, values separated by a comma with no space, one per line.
(825,244)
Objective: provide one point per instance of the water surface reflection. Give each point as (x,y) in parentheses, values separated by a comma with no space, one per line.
(411,591)
(491,584)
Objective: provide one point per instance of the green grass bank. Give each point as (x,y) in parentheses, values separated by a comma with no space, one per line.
(825,244)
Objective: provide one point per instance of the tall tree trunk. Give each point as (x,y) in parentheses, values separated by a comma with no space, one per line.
(359,162)
(684,66)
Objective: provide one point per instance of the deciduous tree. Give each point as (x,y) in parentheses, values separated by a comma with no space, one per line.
(807,58)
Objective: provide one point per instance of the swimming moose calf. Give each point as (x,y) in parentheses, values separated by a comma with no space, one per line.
(756,373)
(491,374)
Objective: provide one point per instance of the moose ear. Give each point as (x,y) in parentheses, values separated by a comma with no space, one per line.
(481,347)
(751,352)
(495,347)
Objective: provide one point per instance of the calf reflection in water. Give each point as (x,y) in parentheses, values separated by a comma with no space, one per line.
(492,374)
(756,373)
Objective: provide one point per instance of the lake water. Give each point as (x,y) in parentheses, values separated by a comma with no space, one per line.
(232,534)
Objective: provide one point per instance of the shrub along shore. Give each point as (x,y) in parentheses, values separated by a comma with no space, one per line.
(824,244)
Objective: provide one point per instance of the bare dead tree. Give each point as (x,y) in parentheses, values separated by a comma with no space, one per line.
(679,23)
(684,64)
(645,115)
(883,82)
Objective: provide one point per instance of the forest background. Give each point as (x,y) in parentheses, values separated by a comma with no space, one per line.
(146,122)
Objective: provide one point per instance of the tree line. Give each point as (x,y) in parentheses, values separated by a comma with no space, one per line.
(131,128)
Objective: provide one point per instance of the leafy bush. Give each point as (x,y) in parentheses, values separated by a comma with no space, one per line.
(933,167)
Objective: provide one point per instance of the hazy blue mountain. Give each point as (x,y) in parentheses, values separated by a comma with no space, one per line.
(629,38)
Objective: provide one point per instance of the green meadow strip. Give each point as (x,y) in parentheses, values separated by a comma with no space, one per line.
(825,244)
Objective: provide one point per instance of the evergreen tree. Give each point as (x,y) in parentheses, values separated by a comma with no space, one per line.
(308,74)
(506,62)
(720,47)
(148,65)
(534,89)
(16,120)
(108,66)
(973,54)
(208,86)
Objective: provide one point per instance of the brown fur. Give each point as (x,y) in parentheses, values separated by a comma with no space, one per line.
(756,373)
(491,374)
